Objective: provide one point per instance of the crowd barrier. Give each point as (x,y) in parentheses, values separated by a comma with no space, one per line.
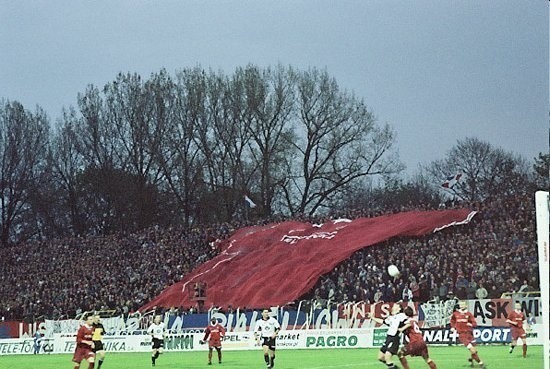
(288,339)
(489,312)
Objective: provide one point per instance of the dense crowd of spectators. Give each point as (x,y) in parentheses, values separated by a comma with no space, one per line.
(494,254)
(60,278)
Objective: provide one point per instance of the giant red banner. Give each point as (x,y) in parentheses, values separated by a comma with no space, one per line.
(275,264)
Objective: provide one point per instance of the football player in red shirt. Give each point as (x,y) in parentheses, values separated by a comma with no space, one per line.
(216,332)
(516,319)
(463,322)
(417,345)
(84,344)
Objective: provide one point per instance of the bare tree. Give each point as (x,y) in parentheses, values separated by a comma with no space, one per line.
(270,95)
(67,162)
(486,170)
(339,143)
(179,157)
(541,169)
(223,137)
(137,113)
(96,135)
(24,140)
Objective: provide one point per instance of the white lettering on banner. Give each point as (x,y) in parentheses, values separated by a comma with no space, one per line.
(439,335)
(486,335)
(294,239)
(482,335)
(177,324)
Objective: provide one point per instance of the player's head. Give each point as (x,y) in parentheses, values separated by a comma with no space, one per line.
(157,319)
(96,318)
(409,311)
(213,321)
(265,314)
(517,306)
(463,305)
(396,309)
(89,319)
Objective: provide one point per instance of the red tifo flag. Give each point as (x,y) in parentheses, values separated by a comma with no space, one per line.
(271,265)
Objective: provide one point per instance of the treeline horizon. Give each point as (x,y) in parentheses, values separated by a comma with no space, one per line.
(187,148)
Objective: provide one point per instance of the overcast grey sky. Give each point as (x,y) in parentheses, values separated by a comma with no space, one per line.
(437,71)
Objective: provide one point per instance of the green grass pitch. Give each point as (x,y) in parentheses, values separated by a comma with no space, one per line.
(496,357)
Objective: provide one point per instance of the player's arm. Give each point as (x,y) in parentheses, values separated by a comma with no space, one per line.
(405,327)
(206,334)
(377,320)
(453,322)
(257,330)
(80,338)
(511,321)
(102,331)
(277,329)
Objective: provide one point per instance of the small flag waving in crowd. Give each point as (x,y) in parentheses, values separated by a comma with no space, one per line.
(249,201)
(451,181)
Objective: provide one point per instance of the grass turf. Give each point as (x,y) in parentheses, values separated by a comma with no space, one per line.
(446,357)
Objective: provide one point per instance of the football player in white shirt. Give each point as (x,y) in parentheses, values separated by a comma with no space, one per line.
(266,331)
(156,330)
(394,321)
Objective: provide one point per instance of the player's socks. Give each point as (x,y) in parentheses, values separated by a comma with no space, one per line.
(404,362)
(272,361)
(476,358)
(219,356)
(99,363)
(266,358)
(391,366)
(432,365)
(91,365)
(524,350)
(512,348)
(153,358)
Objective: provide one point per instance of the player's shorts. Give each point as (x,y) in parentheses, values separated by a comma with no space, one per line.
(82,353)
(518,333)
(158,343)
(269,342)
(416,349)
(98,346)
(215,343)
(467,338)
(391,344)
